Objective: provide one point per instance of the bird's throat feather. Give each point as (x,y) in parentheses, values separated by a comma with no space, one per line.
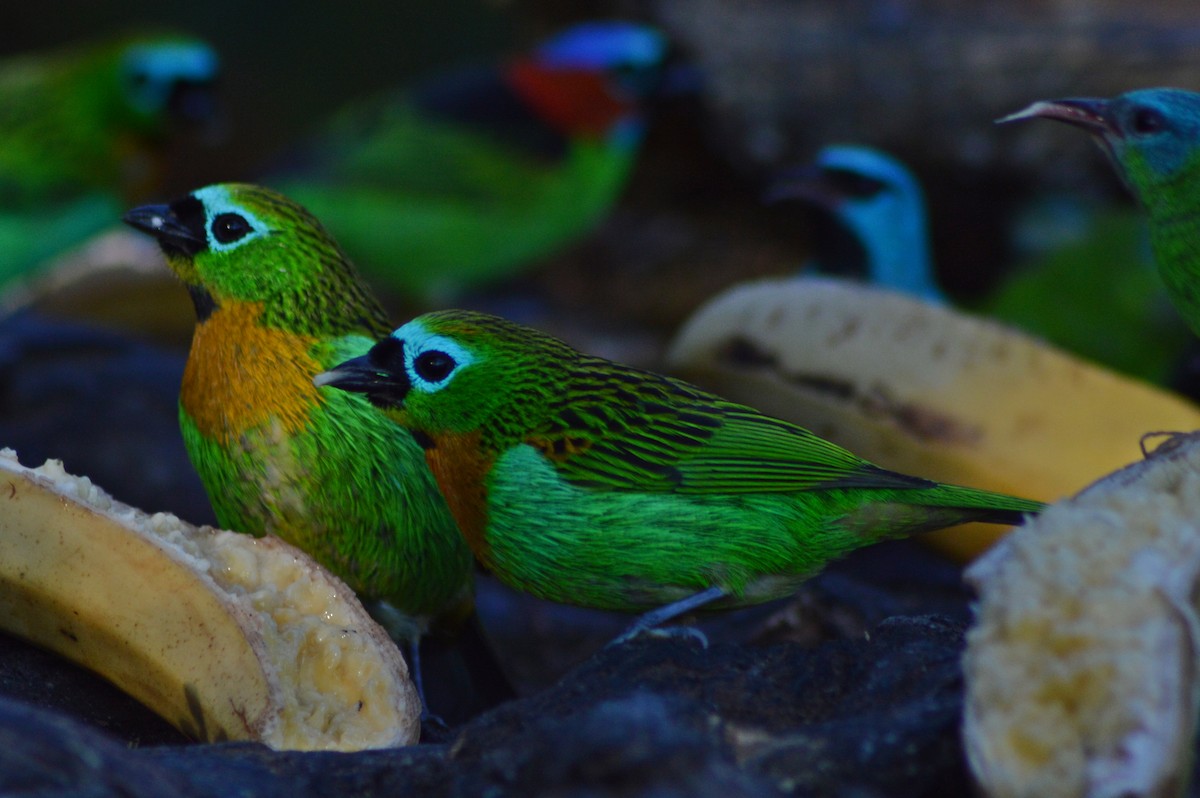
(460,466)
(240,375)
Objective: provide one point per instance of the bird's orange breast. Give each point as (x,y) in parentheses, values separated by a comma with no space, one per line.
(240,375)
(460,467)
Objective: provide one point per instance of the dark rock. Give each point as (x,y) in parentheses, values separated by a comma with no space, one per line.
(47,681)
(654,717)
(45,753)
(103,403)
(644,742)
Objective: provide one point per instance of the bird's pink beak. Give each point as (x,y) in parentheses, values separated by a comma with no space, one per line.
(1093,115)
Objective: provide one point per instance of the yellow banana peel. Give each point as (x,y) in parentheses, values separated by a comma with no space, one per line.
(923,389)
(226,636)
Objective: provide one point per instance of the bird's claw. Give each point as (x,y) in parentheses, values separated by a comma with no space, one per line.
(678,632)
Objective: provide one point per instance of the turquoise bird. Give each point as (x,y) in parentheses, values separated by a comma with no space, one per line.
(588,482)
(470,177)
(877,201)
(82,131)
(1152,137)
(877,229)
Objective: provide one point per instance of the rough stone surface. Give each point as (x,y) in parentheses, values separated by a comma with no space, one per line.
(655,717)
(105,404)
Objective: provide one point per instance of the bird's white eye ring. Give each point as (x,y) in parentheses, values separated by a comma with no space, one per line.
(432,361)
(229,225)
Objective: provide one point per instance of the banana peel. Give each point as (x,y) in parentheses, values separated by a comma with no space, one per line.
(923,389)
(94,283)
(226,636)
(1082,668)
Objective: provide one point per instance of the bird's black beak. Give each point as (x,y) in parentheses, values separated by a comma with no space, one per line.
(179,227)
(805,183)
(372,375)
(1093,115)
(194,107)
(192,102)
(822,186)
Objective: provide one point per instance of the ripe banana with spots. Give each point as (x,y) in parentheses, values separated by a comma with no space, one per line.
(923,389)
(227,636)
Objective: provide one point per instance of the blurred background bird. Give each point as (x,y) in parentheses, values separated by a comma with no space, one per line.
(472,175)
(1152,138)
(1095,293)
(874,223)
(82,131)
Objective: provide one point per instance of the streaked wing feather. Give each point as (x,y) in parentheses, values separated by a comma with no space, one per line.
(627,429)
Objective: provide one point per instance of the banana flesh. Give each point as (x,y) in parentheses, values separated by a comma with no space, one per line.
(1082,669)
(923,389)
(226,636)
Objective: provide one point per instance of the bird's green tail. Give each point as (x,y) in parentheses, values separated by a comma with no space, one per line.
(982,505)
(903,513)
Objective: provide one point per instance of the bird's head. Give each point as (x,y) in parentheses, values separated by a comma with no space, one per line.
(869,192)
(166,80)
(591,79)
(1151,135)
(455,372)
(878,229)
(234,242)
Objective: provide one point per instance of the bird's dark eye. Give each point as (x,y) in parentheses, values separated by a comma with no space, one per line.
(229,227)
(1148,120)
(433,366)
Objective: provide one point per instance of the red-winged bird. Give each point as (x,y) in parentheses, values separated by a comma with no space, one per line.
(471,176)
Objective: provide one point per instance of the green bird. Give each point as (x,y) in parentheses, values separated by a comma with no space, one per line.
(468,177)
(1098,295)
(588,482)
(277,303)
(82,132)
(1152,137)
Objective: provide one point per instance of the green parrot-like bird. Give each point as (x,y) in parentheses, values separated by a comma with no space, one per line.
(1152,137)
(81,133)
(468,177)
(1099,296)
(588,482)
(277,303)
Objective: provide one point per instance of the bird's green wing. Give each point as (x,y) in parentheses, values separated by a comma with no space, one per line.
(633,430)
(391,145)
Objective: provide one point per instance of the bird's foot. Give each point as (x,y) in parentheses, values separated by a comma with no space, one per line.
(638,629)
(648,623)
